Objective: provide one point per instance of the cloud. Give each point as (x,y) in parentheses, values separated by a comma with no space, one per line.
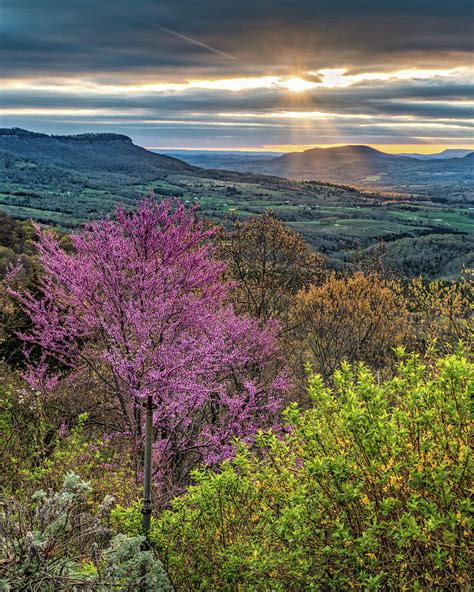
(211,71)
(156,37)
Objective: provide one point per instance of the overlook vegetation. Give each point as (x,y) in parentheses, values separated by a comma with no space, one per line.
(367,491)
(311,426)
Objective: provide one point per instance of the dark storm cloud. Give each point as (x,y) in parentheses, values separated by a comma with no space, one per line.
(121,42)
(54,36)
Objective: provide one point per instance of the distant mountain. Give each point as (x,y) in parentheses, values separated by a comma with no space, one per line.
(68,180)
(444,178)
(219,159)
(116,158)
(448,153)
(105,155)
(342,163)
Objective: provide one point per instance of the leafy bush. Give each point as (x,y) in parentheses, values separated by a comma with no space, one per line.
(24,432)
(37,450)
(104,462)
(369,490)
(442,312)
(57,544)
(359,318)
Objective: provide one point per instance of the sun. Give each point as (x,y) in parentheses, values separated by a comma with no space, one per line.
(297,84)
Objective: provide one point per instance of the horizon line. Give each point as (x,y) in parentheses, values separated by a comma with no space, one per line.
(422,149)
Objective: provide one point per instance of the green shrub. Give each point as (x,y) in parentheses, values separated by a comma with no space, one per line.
(57,543)
(34,454)
(369,490)
(24,431)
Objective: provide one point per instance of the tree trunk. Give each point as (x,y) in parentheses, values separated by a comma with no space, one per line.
(146,508)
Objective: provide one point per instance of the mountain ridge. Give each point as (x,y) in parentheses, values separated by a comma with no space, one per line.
(68,180)
(118,155)
(23,133)
(444,154)
(366,167)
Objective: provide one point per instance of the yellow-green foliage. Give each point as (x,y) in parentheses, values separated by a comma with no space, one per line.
(368,490)
(93,458)
(33,455)
(442,312)
(23,430)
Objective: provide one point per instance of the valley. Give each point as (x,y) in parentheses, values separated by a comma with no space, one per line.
(65,181)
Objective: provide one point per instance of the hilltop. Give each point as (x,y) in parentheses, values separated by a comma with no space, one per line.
(67,179)
(447,176)
(112,154)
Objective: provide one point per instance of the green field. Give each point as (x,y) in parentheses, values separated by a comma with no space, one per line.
(302,205)
(335,220)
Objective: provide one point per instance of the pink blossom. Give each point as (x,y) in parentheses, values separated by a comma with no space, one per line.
(62,430)
(139,305)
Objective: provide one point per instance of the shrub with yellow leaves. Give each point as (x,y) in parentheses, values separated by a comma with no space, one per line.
(368,490)
(352,318)
(442,312)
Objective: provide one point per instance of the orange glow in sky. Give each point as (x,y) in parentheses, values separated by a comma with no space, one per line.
(389,148)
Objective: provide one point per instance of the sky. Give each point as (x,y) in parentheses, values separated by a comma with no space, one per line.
(242,74)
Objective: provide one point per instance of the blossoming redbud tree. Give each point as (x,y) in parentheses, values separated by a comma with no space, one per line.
(138,307)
